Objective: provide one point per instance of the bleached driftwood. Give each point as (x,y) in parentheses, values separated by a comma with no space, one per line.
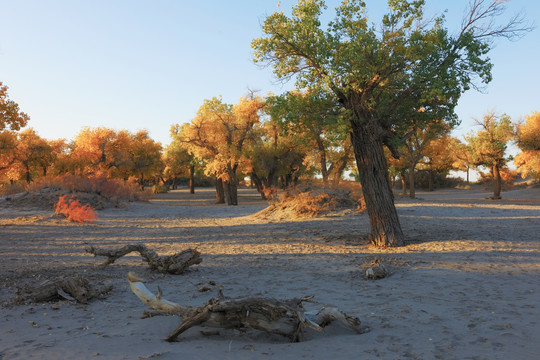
(74,288)
(171,264)
(283,317)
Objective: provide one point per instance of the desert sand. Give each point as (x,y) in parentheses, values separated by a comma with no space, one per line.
(466,286)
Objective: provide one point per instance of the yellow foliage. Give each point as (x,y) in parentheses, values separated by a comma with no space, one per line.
(528,140)
(528,163)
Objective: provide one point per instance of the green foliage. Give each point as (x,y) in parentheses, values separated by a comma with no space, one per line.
(317,122)
(384,73)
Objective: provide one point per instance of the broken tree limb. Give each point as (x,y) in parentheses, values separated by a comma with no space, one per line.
(73,288)
(170,264)
(283,317)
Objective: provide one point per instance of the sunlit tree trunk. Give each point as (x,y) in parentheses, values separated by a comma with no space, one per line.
(220,194)
(231,186)
(376,187)
(403,182)
(497,182)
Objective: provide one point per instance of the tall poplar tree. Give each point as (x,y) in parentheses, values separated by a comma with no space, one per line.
(382,75)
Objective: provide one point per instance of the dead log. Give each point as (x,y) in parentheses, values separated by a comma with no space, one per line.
(283,317)
(74,288)
(170,264)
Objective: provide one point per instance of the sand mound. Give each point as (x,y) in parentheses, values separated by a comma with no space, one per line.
(311,202)
(45,199)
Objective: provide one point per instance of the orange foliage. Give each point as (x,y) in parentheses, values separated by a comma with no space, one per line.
(119,154)
(10,115)
(73,210)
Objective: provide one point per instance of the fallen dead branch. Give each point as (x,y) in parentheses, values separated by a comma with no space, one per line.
(283,317)
(74,288)
(171,264)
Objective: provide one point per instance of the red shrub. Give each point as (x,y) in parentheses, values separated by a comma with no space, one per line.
(73,210)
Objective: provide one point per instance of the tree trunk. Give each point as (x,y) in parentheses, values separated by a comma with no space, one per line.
(341,165)
(255,180)
(403,182)
(192,179)
(220,195)
(497,182)
(430,180)
(378,195)
(468,175)
(231,187)
(141,182)
(324,168)
(230,193)
(412,191)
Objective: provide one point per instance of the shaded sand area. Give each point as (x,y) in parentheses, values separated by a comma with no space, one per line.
(466,286)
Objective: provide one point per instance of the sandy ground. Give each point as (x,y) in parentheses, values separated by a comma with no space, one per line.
(467,286)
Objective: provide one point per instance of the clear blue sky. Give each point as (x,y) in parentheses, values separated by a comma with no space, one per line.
(139,64)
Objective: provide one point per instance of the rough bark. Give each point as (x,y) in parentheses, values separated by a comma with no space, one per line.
(231,192)
(74,288)
(376,187)
(192,179)
(171,264)
(220,193)
(231,186)
(283,317)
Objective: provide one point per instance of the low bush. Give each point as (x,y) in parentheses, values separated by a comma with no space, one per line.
(160,189)
(311,201)
(8,188)
(74,211)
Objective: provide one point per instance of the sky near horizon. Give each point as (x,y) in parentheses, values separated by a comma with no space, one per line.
(140,64)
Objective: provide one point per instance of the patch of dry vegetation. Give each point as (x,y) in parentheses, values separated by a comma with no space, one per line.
(313,201)
(73,210)
(96,191)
